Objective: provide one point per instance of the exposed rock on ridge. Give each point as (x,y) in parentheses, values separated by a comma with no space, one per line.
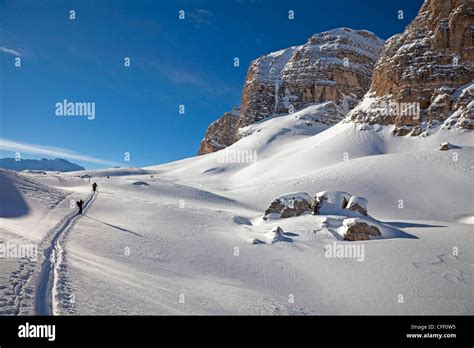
(335,65)
(220,133)
(425,67)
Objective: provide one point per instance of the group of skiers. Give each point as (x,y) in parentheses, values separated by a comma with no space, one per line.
(80,202)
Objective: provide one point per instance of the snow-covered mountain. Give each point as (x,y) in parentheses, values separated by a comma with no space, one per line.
(57,164)
(231,231)
(431,63)
(293,154)
(195,228)
(335,65)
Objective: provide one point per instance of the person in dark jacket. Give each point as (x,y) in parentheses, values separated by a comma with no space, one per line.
(317,203)
(316,207)
(79,204)
(94,187)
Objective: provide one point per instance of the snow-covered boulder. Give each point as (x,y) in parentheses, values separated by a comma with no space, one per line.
(357,204)
(444,146)
(274,235)
(289,205)
(337,203)
(330,202)
(333,197)
(356,229)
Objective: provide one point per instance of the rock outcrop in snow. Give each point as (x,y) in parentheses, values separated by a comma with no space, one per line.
(335,65)
(293,204)
(444,146)
(358,204)
(276,234)
(323,203)
(355,229)
(338,202)
(415,80)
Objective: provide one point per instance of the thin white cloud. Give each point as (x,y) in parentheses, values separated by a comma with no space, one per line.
(14,146)
(10,51)
(183,77)
(200,17)
(181,74)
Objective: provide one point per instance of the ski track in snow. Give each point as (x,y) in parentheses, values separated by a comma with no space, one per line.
(183,226)
(48,281)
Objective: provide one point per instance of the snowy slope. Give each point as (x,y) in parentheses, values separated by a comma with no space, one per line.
(371,163)
(139,250)
(188,237)
(32,205)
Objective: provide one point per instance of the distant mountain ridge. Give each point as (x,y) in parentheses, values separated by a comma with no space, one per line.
(57,164)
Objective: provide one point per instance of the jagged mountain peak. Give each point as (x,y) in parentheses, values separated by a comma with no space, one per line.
(335,65)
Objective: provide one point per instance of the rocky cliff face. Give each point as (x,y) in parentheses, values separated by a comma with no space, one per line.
(331,66)
(220,133)
(422,72)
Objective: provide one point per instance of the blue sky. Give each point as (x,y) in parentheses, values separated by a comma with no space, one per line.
(173,62)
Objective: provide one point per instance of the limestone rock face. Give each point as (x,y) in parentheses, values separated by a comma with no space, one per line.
(424,65)
(220,133)
(335,65)
(462,102)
